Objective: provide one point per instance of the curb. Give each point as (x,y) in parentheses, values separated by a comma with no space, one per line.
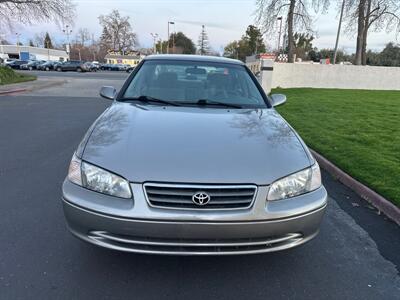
(13,91)
(381,203)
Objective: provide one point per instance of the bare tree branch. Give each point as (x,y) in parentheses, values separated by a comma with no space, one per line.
(34,11)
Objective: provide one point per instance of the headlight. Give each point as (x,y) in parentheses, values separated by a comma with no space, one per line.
(296,184)
(97,179)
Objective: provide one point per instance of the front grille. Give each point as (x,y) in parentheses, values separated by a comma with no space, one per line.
(180,196)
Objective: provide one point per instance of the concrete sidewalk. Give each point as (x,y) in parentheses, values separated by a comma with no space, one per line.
(39,83)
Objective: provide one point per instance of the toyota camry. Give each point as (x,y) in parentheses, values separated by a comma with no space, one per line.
(191,158)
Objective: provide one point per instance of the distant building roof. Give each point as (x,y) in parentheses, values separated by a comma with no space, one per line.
(119,56)
(14,49)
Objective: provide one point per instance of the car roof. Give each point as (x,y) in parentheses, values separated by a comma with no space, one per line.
(189,57)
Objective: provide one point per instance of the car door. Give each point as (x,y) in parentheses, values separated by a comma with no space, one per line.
(67,66)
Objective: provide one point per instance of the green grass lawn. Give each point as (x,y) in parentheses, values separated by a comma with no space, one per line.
(357,130)
(8,76)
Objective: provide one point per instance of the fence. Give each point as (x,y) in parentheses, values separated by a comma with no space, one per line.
(335,76)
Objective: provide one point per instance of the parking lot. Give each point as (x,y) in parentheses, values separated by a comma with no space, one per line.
(355,256)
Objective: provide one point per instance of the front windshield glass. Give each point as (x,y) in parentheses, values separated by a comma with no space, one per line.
(187,83)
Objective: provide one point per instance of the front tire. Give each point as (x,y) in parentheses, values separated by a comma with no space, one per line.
(79,70)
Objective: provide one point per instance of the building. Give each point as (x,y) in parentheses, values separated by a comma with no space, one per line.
(34,53)
(131,58)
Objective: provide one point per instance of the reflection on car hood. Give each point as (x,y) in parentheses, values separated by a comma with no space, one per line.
(195,145)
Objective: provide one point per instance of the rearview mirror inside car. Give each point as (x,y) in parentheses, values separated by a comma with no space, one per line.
(278,99)
(108,92)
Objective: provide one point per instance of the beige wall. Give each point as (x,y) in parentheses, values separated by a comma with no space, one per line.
(335,76)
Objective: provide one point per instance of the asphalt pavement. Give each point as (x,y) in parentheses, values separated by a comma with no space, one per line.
(355,256)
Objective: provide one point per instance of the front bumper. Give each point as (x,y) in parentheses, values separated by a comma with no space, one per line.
(265,227)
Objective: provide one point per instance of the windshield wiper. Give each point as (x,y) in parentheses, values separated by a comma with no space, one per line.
(148,99)
(212,102)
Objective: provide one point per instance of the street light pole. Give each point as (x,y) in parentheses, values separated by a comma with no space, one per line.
(338,32)
(67,32)
(172,23)
(280,32)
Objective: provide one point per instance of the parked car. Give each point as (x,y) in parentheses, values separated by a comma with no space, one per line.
(32,65)
(192,158)
(111,67)
(48,65)
(130,69)
(122,67)
(72,65)
(96,64)
(104,67)
(89,67)
(16,64)
(6,61)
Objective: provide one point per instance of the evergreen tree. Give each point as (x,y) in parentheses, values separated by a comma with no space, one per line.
(47,41)
(203,43)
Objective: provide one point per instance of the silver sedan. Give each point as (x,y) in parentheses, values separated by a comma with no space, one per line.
(191,158)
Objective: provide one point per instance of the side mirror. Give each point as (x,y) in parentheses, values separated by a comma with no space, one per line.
(108,92)
(278,99)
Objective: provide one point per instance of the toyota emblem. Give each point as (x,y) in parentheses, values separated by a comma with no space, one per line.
(201,198)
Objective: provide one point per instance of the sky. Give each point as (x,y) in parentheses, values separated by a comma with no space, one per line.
(225,21)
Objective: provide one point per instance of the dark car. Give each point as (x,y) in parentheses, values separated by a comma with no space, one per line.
(47,66)
(72,65)
(110,67)
(32,65)
(16,64)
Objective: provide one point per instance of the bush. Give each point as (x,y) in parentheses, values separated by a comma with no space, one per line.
(8,75)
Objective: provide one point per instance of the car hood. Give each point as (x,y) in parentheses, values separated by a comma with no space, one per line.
(195,145)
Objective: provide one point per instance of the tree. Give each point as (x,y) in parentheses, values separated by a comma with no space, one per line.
(117,32)
(83,36)
(390,56)
(31,43)
(297,16)
(232,50)
(303,44)
(367,15)
(38,39)
(251,43)
(316,55)
(47,41)
(183,42)
(254,40)
(203,43)
(32,11)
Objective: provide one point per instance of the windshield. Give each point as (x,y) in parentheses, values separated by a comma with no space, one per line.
(191,83)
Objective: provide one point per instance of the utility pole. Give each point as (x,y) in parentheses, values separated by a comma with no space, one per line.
(280,32)
(155,36)
(338,32)
(172,23)
(67,32)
